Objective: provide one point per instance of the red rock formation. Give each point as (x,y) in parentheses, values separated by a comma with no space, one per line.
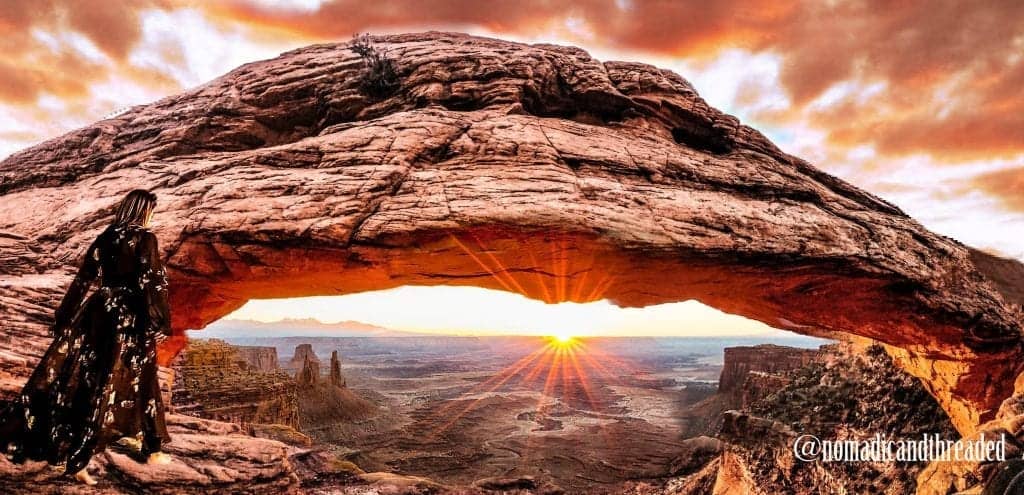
(213,381)
(303,353)
(759,385)
(259,358)
(335,378)
(528,168)
(740,361)
(209,457)
(839,397)
(749,373)
(325,405)
(309,375)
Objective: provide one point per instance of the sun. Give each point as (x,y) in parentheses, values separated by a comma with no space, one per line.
(562,338)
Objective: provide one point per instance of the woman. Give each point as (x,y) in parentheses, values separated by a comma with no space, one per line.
(97,382)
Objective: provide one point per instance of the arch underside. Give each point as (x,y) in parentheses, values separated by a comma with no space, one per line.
(825,298)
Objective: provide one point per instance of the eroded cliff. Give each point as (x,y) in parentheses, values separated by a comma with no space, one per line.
(213,380)
(843,394)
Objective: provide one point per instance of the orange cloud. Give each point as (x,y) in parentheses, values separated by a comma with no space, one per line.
(1007,185)
(946,54)
(951,70)
(38,61)
(341,19)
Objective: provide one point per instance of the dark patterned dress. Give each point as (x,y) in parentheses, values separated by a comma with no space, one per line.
(97,381)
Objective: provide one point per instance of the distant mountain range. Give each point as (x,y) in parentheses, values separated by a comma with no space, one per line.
(226,329)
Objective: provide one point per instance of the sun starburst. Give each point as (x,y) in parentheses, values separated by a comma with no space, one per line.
(565,367)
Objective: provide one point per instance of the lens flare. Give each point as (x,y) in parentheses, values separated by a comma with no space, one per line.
(562,367)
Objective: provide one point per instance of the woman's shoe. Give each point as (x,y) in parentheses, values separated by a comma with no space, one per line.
(84,477)
(132,443)
(158,458)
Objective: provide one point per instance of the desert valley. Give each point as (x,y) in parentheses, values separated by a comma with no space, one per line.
(542,414)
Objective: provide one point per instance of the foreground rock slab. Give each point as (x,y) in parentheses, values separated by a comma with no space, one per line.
(208,457)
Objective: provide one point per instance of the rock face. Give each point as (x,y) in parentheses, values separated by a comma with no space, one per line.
(208,457)
(528,168)
(749,373)
(757,386)
(259,358)
(839,397)
(303,353)
(336,378)
(326,405)
(213,381)
(309,375)
(740,361)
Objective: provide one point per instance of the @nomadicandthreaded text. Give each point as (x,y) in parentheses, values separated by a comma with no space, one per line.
(879,448)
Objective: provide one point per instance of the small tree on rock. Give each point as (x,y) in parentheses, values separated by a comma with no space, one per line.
(379,78)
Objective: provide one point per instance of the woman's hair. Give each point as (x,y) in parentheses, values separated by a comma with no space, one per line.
(135,208)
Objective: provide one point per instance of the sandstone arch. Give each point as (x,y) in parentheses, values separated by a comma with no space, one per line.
(529,168)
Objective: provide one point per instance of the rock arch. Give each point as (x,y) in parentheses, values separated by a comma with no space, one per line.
(528,168)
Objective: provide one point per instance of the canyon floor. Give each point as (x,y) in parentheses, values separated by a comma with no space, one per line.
(587,416)
(526,416)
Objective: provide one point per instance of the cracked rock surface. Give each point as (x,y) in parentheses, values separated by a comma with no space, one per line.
(208,456)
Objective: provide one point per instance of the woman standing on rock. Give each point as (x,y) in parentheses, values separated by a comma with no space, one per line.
(97,381)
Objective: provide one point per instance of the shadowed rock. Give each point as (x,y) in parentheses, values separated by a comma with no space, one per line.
(844,394)
(335,378)
(303,352)
(208,457)
(310,373)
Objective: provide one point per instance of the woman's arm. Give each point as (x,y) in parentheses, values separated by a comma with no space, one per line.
(153,281)
(83,281)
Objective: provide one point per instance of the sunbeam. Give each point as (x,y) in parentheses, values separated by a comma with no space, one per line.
(565,362)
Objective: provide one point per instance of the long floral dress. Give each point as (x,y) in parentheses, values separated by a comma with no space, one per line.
(97,382)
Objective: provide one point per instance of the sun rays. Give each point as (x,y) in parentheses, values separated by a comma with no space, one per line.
(564,274)
(564,363)
(563,369)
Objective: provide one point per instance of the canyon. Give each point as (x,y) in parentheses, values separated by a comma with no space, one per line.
(454,427)
(533,169)
(218,381)
(837,392)
(434,425)
(500,423)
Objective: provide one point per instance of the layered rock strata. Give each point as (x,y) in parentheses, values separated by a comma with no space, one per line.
(214,381)
(259,358)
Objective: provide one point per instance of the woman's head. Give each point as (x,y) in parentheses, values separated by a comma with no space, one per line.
(136,208)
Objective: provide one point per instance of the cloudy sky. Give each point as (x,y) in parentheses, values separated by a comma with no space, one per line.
(919,102)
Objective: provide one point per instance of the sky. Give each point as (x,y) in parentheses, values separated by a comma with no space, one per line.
(919,102)
(471,311)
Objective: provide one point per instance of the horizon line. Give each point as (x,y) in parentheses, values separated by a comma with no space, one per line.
(785,335)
